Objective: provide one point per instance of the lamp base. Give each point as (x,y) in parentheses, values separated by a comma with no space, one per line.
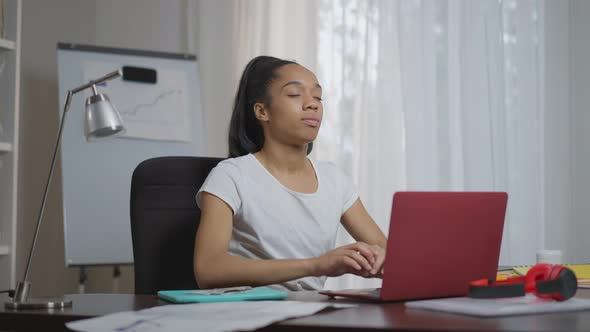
(40,303)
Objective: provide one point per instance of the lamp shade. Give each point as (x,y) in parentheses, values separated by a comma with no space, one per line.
(102,119)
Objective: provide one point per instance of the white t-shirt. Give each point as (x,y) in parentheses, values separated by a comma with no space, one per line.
(271,221)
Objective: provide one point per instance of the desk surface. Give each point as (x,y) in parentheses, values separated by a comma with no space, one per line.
(367,316)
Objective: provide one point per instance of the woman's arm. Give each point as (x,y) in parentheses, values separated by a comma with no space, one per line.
(361,226)
(214,267)
(357,221)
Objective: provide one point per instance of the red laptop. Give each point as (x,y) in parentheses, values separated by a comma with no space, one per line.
(438,242)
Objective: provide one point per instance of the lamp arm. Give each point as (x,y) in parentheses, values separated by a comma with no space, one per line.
(106,77)
(22,289)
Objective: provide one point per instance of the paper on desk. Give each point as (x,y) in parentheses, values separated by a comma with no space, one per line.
(211,317)
(523,305)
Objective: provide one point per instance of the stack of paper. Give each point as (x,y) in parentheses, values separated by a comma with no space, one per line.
(523,305)
(210,317)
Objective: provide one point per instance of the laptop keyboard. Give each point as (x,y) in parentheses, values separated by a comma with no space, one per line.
(372,292)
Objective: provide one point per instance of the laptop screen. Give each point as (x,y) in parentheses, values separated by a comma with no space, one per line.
(440,241)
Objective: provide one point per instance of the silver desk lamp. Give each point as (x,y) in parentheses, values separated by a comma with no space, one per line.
(102,120)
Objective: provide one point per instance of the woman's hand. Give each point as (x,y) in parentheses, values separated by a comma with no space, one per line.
(357,258)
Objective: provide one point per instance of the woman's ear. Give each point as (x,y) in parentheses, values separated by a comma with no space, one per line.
(260,112)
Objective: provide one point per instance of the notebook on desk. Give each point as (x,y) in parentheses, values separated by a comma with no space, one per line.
(582,272)
(438,242)
(231,294)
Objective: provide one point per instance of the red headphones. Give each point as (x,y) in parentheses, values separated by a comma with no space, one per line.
(544,280)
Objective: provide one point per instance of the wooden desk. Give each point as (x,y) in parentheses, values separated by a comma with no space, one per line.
(367,316)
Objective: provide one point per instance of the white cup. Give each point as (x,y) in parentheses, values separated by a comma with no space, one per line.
(549,256)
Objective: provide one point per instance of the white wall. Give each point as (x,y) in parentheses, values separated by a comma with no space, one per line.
(215,47)
(580,107)
(143,24)
(137,24)
(567,149)
(558,134)
(44,23)
(161,25)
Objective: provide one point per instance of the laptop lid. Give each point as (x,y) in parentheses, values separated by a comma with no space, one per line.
(440,241)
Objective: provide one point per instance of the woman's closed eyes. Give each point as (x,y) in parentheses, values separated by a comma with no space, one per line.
(298,95)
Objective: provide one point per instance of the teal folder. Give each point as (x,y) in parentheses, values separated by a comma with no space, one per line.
(205,296)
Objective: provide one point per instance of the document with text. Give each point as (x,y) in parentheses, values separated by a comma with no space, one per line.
(211,317)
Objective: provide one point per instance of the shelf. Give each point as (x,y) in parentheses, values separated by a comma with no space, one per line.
(10,92)
(5,147)
(7,44)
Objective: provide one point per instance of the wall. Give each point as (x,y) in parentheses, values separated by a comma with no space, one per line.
(558,135)
(567,152)
(215,48)
(142,24)
(137,24)
(580,122)
(159,25)
(43,25)
(153,24)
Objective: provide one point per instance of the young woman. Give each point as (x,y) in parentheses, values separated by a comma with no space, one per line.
(269,215)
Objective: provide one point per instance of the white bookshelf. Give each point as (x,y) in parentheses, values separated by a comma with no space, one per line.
(9,133)
(5,147)
(6,44)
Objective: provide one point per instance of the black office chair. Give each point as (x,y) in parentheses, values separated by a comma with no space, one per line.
(164,221)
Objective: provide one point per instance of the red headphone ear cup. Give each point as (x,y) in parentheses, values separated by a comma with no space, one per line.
(539,272)
(561,286)
(556,271)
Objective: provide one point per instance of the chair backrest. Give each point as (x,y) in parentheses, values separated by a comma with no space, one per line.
(164,221)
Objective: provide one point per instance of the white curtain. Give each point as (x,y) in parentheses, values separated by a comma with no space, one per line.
(284,29)
(363,130)
(472,87)
(420,95)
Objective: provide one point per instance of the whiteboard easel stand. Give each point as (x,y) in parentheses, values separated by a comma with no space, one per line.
(82,277)
(116,277)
